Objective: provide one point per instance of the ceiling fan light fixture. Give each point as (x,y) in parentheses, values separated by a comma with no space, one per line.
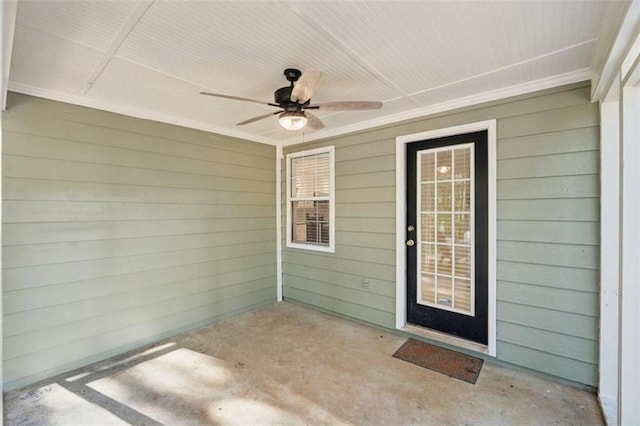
(293,120)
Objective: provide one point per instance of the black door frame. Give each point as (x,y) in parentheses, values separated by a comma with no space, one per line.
(401,227)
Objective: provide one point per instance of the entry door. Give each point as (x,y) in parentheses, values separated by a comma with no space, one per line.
(447,235)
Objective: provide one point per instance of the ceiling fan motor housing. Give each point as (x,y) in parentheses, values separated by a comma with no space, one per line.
(282,96)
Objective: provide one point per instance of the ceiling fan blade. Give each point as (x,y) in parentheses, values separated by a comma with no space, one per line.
(258,118)
(346,106)
(313,121)
(307,85)
(237,98)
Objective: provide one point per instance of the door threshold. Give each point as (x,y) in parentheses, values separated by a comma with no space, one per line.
(445,338)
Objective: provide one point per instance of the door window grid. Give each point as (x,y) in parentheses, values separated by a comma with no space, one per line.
(445,229)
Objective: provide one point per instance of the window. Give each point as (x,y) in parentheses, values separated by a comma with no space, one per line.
(310,199)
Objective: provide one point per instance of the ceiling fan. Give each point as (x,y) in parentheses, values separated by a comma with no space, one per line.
(294,101)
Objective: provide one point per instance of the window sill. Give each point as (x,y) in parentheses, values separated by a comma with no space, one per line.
(311,247)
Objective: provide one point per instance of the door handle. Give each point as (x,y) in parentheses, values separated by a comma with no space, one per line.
(411,243)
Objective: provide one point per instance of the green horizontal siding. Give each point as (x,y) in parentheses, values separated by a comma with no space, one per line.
(561,277)
(567,232)
(548,229)
(119,231)
(560,209)
(330,303)
(546,361)
(67,172)
(145,329)
(556,321)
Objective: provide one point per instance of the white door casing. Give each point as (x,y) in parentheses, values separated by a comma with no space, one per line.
(401,203)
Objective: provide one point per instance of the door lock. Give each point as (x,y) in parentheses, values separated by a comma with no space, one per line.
(411,228)
(410,243)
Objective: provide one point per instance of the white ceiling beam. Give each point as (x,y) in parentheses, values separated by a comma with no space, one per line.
(353,54)
(632,77)
(506,67)
(624,39)
(138,12)
(9,13)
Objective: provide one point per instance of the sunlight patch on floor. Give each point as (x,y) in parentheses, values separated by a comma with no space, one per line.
(127,360)
(243,412)
(53,404)
(185,387)
(171,383)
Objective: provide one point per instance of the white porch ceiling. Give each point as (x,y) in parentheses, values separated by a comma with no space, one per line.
(150,59)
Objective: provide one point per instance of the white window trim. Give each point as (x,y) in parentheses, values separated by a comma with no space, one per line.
(332,200)
(401,226)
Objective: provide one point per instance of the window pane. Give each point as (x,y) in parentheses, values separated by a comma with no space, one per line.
(462,290)
(462,163)
(445,293)
(462,196)
(462,228)
(428,228)
(443,165)
(444,228)
(463,262)
(428,166)
(428,287)
(444,197)
(310,222)
(427,198)
(310,176)
(428,258)
(444,259)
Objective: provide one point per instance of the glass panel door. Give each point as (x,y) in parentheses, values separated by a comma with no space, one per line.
(445,201)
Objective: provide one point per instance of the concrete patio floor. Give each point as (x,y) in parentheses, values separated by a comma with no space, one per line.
(287,364)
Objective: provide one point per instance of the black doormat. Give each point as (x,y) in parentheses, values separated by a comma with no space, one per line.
(453,364)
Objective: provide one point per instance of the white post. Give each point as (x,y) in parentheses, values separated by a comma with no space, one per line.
(609,257)
(629,339)
(7,25)
(279,222)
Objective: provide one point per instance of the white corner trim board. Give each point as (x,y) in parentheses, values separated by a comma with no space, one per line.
(9,12)
(629,344)
(401,202)
(609,258)
(279,222)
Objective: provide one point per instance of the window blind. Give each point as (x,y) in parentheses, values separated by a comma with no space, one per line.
(310,184)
